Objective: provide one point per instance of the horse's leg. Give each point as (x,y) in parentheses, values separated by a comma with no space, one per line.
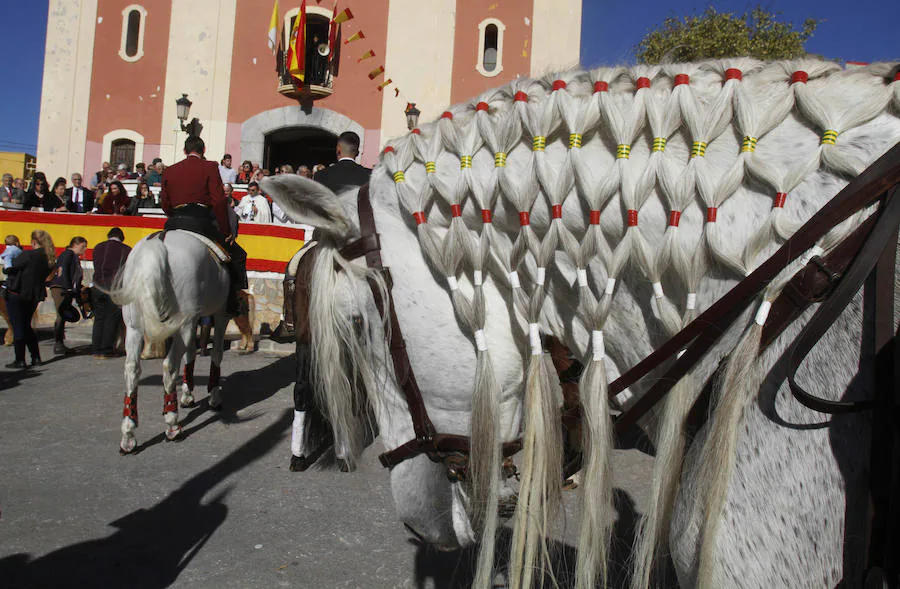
(170,374)
(215,364)
(188,335)
(134,342)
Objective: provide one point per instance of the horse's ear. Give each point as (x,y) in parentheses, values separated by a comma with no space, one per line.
(308,201)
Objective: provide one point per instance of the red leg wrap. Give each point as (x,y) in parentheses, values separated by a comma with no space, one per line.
(214,373)
(189,375)
(170,403)
(130,409)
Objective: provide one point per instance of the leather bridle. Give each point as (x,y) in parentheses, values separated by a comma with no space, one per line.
(451,449)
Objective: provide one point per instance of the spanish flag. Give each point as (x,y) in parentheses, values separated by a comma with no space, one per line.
(296,46)
(384,84)
(366,55)
(273,29)
(355,37)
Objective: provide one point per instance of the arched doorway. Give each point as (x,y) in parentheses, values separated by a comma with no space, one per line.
(299,146)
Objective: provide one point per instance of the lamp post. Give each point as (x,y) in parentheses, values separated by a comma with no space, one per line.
(412,115)
(183,111)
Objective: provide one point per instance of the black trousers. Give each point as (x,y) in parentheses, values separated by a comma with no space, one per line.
(107,317)
(20,314)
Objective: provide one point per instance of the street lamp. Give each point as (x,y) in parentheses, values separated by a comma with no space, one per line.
(412,115)
(183,111)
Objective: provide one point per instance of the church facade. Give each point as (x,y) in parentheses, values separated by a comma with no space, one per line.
(114,69)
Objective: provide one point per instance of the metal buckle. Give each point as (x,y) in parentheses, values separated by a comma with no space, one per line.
(833,278)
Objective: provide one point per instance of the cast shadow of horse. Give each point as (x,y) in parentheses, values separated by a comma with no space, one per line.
(151,547)
(240,390)
(456,569)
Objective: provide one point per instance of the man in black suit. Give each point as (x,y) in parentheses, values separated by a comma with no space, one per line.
(346,173)
(78,198)
(109,257)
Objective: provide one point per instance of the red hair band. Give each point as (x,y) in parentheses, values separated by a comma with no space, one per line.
(642,82)
(524,218)
(415,131)
(521,96)
(632,218)
(682,79)
(733,73)
(419,216)
(456,210)
(601,86)
(447,115)
(711,213)
(780,198)
(482,106)
(799,76)
(486,216)
(556,211)
(595,217)
(558,85)
(388,149)
(674,218)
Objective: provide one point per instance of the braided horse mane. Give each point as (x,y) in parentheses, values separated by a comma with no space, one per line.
(614,205)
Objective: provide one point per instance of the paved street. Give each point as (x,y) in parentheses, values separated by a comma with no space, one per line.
(220,509)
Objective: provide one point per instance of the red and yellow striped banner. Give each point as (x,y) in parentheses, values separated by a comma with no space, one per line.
(269,247)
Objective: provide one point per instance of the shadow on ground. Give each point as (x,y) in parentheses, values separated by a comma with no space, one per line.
(151,546)
(456,569)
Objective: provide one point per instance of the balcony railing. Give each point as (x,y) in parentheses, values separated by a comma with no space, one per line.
(319,76)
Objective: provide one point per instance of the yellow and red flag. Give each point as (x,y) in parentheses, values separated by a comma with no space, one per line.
(376,72)
(296,61)
(355,37)
(332,32)
(384,84)
(273,29)
(344,16)
(367,55)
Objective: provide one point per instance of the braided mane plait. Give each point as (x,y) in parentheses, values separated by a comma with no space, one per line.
(588,189)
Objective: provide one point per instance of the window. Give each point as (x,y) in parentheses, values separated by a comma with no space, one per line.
(490,47)
(122,152)
(134,19)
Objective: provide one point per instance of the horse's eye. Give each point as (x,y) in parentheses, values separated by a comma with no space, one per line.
(358,325)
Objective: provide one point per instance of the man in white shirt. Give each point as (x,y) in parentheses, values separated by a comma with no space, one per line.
(228,174)
(254,207)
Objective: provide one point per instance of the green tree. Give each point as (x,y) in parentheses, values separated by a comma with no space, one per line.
(755,33)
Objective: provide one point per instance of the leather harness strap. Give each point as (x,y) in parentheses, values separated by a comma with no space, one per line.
(427,440)
(700,335)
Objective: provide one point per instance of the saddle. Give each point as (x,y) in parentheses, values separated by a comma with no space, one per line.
(296,297)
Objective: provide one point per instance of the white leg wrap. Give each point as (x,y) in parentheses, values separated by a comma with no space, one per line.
(298,434)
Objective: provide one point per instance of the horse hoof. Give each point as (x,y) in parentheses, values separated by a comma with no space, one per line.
(172,433)
(188,403)
(344,466)
(126,448)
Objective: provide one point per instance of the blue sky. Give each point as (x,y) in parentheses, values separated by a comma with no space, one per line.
(861,30)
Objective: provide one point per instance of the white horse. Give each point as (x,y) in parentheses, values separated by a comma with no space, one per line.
(609,208)
(164,288)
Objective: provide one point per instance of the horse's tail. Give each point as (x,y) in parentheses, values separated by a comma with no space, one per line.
(145,282)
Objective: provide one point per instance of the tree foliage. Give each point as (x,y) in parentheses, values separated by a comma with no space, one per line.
(755,33)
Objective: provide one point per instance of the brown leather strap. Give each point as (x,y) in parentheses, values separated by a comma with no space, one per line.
(369,245)
(699,336)
(883,233)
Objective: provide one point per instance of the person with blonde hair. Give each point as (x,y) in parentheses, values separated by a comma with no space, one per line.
(24,291)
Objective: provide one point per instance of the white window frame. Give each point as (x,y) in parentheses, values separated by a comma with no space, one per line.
(117,134)
(140,41)
(286,25)
(479,62)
